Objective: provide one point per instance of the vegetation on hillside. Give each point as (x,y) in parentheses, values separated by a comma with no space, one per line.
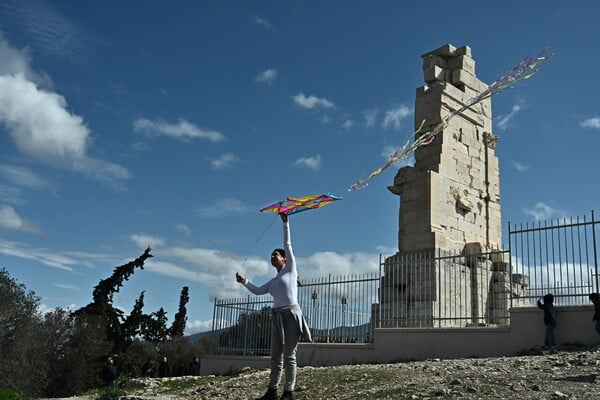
(61,353)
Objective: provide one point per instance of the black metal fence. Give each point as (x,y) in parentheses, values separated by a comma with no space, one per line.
(557,256)
(430,289)
(442,289)
(337,309)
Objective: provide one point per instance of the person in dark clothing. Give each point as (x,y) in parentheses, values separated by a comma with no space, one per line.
(595,298)
(149,369)
(109,372)
(549,318)
(194,367)
(164,368)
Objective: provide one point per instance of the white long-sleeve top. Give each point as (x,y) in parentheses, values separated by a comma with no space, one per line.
(284,287)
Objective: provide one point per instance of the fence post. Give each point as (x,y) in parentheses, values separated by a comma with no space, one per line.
(510,268)
(214,314)
(597,289)
(246,330)
(329,320)
(380,308)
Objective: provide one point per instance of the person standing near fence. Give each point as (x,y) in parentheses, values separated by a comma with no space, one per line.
(595,298)
(149,368)
(288,323)
(164,368)
(108,373)
(549,318)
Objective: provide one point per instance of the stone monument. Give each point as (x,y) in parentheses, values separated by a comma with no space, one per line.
(451,196)
(449,206)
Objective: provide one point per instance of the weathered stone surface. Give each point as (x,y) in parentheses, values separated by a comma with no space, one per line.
(450,199)
(461,163)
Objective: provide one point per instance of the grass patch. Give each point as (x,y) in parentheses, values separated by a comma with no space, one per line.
(7,394)
(111,393)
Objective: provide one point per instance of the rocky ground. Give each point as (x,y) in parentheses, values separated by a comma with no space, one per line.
(555,374)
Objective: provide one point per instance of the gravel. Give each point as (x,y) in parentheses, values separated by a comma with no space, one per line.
(563,373)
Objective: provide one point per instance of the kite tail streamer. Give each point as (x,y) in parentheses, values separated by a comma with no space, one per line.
(525,69)
(400,154)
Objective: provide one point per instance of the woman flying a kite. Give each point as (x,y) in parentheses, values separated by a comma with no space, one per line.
(288,323)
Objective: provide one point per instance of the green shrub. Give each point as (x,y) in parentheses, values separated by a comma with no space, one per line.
(6,394)
(111,393)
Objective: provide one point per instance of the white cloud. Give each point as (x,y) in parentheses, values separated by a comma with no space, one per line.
(518,166)
(309,162)
(311,102)
(591,123)
(322,264)
(348,124)
(15,62)
(46,29)
(171,268)
(9,219)
(211,268)
(101,170)
(394,116)
(542,211)
(225,161)
(192,327)
(370,117)
(11,194)
(221,207)
(69,287)
(140,147)
(184,229)
(144,240)
(267,76)
(61,260)
(40,124)
(503,120)
(387,250)
(24,177)
(262,22)
(183,130)
(216,269)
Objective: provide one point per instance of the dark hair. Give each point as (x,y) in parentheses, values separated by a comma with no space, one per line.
(280,251)
(549,298)
(594,296)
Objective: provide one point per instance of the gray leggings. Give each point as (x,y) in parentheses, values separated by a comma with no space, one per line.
(284,357)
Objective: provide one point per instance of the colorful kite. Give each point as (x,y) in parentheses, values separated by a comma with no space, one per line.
(293,205)
(526,68)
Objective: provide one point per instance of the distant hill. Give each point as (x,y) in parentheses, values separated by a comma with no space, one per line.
(201,335)
(358,332)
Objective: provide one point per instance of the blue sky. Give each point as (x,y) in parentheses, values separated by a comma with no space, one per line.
(170,125)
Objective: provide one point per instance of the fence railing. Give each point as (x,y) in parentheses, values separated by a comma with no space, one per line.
(558,257)
(337,309)
(444,290)
(429,289)
(242,326)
